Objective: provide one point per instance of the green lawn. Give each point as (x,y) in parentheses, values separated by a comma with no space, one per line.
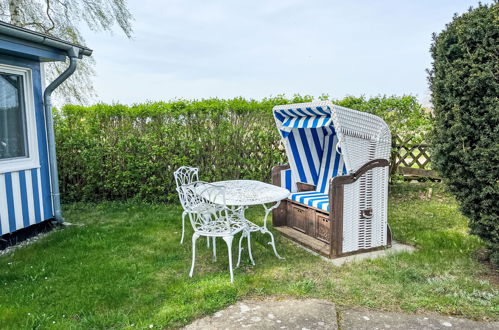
(124,266)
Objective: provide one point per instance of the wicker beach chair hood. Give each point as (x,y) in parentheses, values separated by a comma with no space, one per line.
(325,141)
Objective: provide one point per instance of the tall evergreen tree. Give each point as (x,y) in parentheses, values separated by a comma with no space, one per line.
(464,81)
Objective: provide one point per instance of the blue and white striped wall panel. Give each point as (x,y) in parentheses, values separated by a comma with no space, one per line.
(21,200)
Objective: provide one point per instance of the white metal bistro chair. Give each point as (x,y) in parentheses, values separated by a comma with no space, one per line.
(185,175)
(210,217)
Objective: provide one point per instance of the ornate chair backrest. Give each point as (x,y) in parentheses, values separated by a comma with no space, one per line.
(207,207)
(185,175)
(189,196)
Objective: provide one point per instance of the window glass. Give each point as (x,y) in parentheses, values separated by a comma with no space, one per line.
(13,141)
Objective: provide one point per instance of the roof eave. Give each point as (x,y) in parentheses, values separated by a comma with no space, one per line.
(39,38)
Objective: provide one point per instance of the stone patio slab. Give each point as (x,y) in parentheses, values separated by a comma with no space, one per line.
(308,314)
(272,314)
(365,319)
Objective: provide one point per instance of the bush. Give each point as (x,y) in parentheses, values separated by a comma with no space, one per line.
(120,152)
(464,82)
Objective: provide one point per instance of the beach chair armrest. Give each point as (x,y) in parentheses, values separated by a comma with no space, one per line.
(303,186)
(277,176)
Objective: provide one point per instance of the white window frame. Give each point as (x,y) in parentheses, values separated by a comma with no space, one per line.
(33,159)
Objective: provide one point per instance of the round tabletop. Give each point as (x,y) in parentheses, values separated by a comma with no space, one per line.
(251,192)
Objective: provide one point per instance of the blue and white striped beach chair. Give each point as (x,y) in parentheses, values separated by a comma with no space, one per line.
(338,176)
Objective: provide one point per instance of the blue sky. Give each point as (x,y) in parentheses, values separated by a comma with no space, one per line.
(258,48)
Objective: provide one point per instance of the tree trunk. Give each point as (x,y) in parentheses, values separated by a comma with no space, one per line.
(15,12)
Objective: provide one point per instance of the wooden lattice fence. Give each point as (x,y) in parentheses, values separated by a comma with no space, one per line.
(412,159)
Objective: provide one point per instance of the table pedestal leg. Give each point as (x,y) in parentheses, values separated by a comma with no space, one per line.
(249,248)
(246,233)
(264,229)
(214,249)
(248,238)
(254,228)
(240,250)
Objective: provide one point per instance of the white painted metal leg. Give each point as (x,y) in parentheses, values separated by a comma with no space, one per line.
(240,249)
(248,234)
(214,249)
(267,212)
(208,242)
(194,239)
(228,240)
(264,229)
(183,226)
(272,243)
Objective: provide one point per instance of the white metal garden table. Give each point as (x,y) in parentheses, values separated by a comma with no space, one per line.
(245,193)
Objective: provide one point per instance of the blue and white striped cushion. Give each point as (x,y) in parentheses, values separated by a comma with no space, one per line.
(287,180)
(312,198)
(304,148)
(332,162)
(310,141)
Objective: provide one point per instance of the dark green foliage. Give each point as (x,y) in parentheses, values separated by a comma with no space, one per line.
(120,152)
(465,89)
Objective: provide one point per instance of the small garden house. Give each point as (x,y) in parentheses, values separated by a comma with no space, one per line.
(29,190)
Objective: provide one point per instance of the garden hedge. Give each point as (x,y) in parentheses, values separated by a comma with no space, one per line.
(121,152)
(464,82)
